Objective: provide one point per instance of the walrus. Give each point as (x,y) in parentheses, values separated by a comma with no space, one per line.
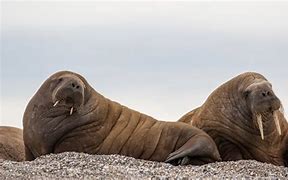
(11,144)
(245,119)
(67,114)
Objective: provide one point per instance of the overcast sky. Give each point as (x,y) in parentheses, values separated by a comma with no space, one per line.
(162,59)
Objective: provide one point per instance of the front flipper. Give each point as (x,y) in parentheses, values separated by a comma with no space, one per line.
(197,150)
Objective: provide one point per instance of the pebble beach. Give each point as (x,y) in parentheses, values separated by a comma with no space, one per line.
(70,165)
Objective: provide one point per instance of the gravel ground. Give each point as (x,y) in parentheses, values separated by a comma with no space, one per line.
(83,166)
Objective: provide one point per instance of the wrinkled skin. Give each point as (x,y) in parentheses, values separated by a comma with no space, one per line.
(11,144)
(67,114)
(229,116)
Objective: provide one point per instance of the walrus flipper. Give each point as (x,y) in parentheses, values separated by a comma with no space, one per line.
(197,150)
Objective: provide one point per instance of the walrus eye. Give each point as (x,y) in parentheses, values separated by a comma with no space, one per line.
(60,79)
(246,94)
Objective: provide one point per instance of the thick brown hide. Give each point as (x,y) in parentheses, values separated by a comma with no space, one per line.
(229,117)
(67,114)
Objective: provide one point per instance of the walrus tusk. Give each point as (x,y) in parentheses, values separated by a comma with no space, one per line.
(260,125)
(276,119)
(71,110)
(55,103)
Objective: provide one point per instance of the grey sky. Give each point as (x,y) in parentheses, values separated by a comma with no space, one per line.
(162,59)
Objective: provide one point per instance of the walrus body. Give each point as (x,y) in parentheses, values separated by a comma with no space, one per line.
(66,114)
(243,117)
(11,144)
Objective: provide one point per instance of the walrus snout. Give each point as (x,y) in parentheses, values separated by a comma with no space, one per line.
(275,105)
(72,88)
(272,105)
(261,98)
(271,99)
(70,93)
(269,104)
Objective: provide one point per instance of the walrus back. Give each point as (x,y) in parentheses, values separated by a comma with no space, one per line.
(187,118)
(141,136)
(127,132)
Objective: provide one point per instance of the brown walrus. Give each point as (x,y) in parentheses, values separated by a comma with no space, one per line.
(244,118)
(67,114)
(11,144)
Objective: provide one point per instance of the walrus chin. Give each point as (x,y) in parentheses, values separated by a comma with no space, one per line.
(260,123)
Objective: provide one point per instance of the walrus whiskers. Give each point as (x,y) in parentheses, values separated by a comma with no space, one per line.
(277,124)
(71,110)
(260,125)
(55,103)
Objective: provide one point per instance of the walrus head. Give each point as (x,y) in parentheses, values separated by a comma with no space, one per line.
(262,102)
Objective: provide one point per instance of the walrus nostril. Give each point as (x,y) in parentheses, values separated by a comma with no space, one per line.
(75,85)
(268,93)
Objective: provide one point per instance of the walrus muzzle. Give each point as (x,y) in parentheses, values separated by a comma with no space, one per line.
(275,107)
(69,93)
(264,104)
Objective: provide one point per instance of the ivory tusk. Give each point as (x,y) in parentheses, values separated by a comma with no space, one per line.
(71,110)
(277,123)
(260,125)
(55,103)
